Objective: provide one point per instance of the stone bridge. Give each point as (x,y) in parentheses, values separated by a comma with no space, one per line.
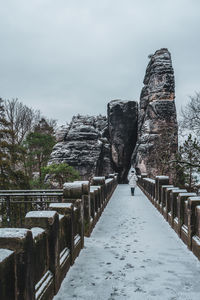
(136,251)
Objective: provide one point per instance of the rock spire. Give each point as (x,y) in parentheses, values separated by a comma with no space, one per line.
(157,124)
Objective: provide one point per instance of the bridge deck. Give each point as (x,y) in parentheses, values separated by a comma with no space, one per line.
(132,254)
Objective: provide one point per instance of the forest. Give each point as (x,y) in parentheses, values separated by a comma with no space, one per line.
(26,142)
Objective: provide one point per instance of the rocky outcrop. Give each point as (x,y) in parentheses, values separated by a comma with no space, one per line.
(99,145)
(157,124)
(122,128)
(83,146)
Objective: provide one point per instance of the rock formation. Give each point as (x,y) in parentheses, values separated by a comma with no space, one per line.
(99,145)
(157,124)
(122,127)
(82,146)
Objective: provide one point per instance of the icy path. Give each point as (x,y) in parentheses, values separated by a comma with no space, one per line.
(132,254)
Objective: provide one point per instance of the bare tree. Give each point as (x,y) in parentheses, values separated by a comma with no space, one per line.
(21,119)
(191,114)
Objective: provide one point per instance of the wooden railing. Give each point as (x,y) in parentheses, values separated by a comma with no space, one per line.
(180,208)
(35,259)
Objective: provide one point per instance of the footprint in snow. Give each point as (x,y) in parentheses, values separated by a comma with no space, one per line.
(147,260)
(129,266)
(139,289)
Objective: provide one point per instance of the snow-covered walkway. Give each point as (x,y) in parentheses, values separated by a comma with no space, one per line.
(132,254)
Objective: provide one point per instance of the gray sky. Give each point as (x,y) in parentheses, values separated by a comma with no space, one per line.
(73,56)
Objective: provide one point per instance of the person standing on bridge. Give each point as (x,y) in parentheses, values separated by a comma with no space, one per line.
(132,180)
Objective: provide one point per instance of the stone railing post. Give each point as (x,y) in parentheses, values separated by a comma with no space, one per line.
(159,181)
(49,221)
(167,201)
(192,203)
(66,237)
(21,242)
(95,194)
(196,238)
(87,206)
(73,193)
(92,205)
(100,181)
(163,197)
(182,197)
(173,204)
(7,274)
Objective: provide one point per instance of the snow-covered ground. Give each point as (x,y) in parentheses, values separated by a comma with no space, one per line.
(132,254)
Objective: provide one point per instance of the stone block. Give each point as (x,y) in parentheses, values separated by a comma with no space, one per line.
(21,242)
(48,220)
(182,197)
(72,190)
(196,237)
(98,180)
(193,202)
(61,208)
(163,198)
(159,181)
(173,204)
(167,201)
(7,275)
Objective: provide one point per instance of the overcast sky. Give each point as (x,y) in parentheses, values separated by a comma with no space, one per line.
(73,56)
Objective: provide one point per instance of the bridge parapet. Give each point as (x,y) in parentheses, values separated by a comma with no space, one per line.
(36,258)
(180,208)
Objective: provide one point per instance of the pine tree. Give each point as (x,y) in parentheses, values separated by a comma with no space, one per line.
(60,173)
(190,160)
(4,150)
(39,144)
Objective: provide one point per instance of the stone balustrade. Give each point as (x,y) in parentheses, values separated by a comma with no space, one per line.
(34,260)
(180,208)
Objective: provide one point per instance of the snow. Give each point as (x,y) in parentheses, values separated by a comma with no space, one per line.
(187,194)
(194,198)
(19,233)
(94,187)
(113,103)
(109,180)
(132,253)
(41,214)
(167,186)
(196,239)
(175,191)
(149,180)
(37,231)
(42,286)
(162,177)
(4,253)
(72,185)
(99,180)
(60,205)
(82,181)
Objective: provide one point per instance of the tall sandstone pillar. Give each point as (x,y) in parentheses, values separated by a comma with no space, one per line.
(157,124)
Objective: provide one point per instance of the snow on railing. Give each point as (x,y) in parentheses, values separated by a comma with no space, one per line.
(180,208)
(35,259)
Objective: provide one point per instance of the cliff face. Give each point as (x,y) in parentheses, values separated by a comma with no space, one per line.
(122,127)
(99,145)
(157,124)
(82,146)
